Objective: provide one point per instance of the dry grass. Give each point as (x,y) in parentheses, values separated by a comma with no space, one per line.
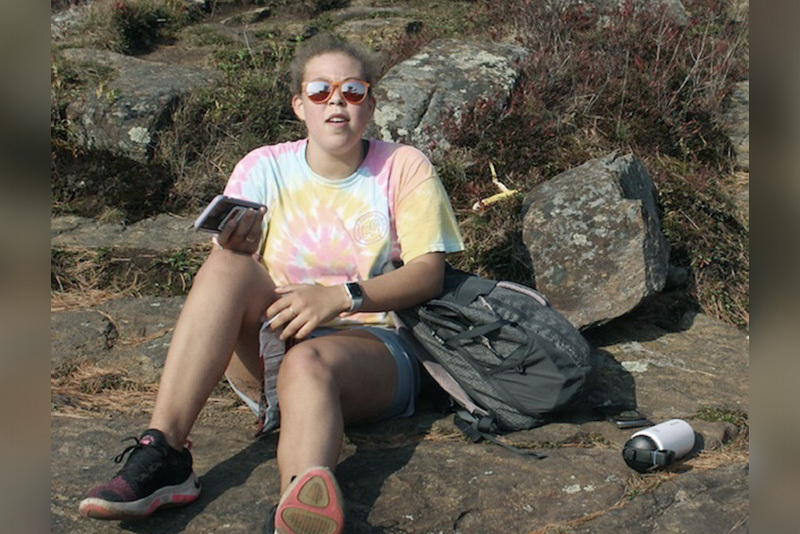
(92,390)
(88,389)
(81,278)
(61,301)
(635,83)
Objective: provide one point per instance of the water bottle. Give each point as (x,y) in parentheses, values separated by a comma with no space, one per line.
(659,445)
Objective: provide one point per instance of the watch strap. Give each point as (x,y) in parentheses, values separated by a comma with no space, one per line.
(356,295)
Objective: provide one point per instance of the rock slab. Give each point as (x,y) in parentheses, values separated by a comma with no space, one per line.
(411,486)
(127,116)
(441,81)
(595,240)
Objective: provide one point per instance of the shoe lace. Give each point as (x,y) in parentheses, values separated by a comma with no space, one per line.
(135,447)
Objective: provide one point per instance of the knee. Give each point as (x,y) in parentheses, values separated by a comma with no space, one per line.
(302,366)
(223,263)
(225,268)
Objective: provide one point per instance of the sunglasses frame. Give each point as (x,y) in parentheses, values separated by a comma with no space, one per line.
(337,86)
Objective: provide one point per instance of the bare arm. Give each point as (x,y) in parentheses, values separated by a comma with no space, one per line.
(304,307)
(418,281)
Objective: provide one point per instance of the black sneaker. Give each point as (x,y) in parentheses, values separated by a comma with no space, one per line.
(269,524)
(155,476)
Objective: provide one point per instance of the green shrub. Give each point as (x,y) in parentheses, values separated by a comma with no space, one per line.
(134,27)
(216,126)
(629,81)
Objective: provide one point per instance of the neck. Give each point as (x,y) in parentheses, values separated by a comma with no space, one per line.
(335,166)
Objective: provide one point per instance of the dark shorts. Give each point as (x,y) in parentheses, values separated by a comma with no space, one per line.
(408,377)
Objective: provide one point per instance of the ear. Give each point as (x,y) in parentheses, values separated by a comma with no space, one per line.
(297,106)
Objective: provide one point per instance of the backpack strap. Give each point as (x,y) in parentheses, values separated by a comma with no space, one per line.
(437,371)
(462,287)
(479,429)
(474,332)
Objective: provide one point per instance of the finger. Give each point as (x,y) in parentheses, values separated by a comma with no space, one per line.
(256,227)
(224,236)
(277,307)
(292,327)
(282,318)
(304,330)
(254,235)
(243,224)
(285,290)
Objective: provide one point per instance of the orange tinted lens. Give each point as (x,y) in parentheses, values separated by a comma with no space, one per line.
(354,91)
(318,91)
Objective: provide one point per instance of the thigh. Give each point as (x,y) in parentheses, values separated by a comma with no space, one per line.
(364,369)
(242,288)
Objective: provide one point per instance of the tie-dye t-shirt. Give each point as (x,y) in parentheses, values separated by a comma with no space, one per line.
(329,232)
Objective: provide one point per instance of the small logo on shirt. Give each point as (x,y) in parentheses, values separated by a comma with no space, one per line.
(371,227)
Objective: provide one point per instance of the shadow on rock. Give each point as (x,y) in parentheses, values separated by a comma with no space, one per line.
(381,451)
(610,385)
(362,477)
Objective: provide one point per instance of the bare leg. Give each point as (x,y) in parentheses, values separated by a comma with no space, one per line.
(222,312)
(323,384)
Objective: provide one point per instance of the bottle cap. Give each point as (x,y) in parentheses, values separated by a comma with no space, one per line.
(642,454)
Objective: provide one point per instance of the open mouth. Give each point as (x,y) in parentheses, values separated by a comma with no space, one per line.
(337,119)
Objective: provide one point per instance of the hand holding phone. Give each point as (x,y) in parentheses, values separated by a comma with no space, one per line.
(221,210)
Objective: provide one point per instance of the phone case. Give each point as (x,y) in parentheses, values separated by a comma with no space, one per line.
(630,419)
(220,210)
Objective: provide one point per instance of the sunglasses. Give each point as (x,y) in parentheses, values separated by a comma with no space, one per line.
(320,91)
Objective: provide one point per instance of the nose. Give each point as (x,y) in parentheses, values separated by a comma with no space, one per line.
(336,98)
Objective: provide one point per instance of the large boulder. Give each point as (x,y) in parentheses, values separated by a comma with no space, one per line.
(442,81)
(595,240)
(126,116)
(673,10)
(736,122)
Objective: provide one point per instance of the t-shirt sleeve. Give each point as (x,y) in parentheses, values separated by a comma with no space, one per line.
(248,182)
(424,217)
(247,179)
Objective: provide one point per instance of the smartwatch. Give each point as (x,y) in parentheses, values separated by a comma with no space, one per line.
(356,295)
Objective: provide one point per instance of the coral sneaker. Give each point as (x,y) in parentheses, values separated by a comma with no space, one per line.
(312,504)
(154,476)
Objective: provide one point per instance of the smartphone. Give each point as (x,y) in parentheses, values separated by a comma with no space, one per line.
(622,416)
(221,210)
(629,419)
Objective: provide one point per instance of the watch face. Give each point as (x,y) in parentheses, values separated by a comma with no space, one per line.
(355,290)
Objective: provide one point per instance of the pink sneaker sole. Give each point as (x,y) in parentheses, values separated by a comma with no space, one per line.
(167,497)
(312,504)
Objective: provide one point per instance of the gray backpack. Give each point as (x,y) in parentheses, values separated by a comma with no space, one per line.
(501,352)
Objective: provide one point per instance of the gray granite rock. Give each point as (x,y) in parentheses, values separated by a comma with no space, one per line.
(160,233)
(737,124)
(676,374)
(78,336)
(442,81)
(595,240)
(127,115)
(416,484)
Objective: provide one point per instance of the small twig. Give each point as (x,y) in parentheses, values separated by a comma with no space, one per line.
(505,192)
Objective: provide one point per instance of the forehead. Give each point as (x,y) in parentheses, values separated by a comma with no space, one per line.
(332,66)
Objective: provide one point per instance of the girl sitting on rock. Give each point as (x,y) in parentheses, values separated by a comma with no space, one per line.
(339,208)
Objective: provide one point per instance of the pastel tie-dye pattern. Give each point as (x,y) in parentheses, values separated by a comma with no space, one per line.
(332,231)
